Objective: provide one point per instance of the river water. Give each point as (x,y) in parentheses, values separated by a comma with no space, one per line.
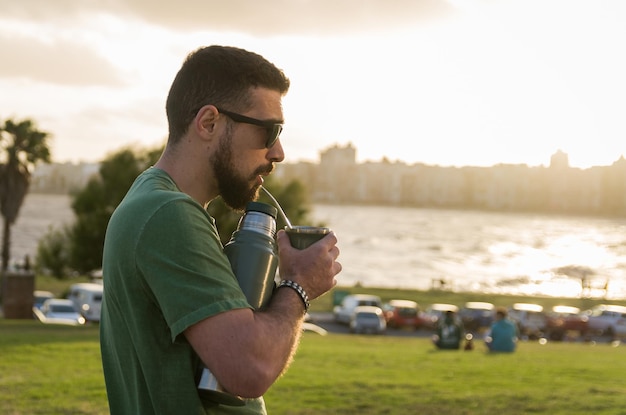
(509,253)
(529,254)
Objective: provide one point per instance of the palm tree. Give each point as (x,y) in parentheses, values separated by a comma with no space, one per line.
(21,146)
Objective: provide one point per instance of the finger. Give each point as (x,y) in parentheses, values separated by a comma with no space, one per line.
(338,267)
(282,239)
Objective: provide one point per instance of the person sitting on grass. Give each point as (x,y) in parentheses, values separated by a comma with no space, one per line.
(449,332)
(503,334)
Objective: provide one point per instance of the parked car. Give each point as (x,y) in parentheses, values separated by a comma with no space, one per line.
(530,318)
(563,319)
(433,312)
(60,311)
(403,313)
(39,297)
(607,319)
(343,312)
(367,319)
(476,315)
(87,299)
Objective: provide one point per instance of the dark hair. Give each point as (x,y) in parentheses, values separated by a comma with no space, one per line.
(501,311)
(218,75)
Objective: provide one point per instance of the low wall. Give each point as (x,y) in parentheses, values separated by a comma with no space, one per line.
(17,295)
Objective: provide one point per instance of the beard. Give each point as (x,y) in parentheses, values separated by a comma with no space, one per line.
(235,189)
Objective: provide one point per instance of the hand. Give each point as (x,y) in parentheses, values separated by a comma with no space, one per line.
(314,268)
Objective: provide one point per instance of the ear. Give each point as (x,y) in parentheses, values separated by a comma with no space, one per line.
(204,123)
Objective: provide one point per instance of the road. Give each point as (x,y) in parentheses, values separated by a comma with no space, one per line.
(327,322)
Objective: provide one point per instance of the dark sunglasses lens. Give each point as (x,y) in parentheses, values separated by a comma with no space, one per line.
(272,135)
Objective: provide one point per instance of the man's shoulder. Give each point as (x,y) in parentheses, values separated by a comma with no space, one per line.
(156,187)
(154,197)
(154,179)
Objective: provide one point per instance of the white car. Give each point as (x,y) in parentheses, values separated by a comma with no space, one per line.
(477,315)
(60,311)
(530,319)
(343,312)
(87,299)
(607,319)
(39,297)
(368,319)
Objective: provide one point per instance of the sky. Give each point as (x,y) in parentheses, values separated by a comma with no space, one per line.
(440,82)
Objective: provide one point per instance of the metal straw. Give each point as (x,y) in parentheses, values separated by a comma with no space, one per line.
(280,209)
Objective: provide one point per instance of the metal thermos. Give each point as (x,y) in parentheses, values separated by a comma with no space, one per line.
(252,253)
(253,257)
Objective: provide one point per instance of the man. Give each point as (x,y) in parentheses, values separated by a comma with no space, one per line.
(503,335)
(172,304)
(449,332)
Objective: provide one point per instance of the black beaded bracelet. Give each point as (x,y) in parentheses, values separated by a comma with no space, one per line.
(298,288)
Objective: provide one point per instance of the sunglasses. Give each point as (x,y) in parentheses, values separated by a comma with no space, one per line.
(272,129)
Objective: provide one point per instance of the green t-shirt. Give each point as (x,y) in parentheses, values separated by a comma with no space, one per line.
(164,270)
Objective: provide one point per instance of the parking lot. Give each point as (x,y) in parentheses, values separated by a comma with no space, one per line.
(326,321)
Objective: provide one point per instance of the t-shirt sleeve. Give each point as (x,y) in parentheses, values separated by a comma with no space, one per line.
(183,265)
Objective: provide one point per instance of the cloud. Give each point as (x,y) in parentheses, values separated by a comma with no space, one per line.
(268,17)
(58,42)
(278,17)
(58,62)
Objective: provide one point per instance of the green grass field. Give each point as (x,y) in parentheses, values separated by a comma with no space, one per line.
(56,370)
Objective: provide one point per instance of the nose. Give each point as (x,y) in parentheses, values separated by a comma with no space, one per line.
(276,153)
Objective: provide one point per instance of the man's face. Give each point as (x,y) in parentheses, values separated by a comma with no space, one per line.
(235,187)
(241,157)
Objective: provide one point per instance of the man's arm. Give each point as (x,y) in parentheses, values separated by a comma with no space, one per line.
(248,350)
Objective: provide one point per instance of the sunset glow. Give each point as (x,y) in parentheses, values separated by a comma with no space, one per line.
(449,83)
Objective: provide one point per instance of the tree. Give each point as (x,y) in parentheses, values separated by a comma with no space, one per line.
(22,146)
(52,253)
(78,247)
(95,203)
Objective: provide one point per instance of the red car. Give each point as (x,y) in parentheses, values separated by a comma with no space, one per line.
(563,320)
(402,313)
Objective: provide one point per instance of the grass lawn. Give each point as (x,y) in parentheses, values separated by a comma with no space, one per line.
(50,369)
(384,375)
(56,370)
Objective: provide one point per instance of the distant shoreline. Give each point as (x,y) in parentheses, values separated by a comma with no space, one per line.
(512,211)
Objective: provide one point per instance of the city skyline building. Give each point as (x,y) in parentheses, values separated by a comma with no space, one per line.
(339,178)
